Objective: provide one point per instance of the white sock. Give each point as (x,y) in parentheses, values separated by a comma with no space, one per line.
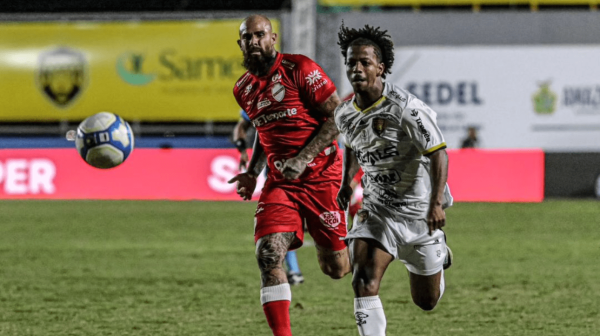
(442,286)
(369,315)
(275,293)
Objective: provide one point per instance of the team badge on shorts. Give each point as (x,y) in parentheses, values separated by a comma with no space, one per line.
(330,219)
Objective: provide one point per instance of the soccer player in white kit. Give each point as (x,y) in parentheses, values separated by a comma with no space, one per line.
(394,138)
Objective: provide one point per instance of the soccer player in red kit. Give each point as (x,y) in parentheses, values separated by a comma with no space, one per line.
(291,102)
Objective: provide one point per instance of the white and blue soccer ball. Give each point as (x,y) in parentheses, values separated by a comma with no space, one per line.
(104,140)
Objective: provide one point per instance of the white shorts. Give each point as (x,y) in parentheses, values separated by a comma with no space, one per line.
(404,238)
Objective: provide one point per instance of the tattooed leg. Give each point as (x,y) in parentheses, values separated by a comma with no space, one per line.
(336,264)
(270,253)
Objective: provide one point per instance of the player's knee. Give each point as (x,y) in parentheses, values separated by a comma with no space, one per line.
(426,303)
(364,286)
(268,259)
(334,271)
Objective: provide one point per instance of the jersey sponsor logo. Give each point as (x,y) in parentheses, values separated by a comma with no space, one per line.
(247,89)
(387,194)
(320,85)
(267,118)
(243,80)
(384,177)
(288,64)
(263,103)
(374,156)
(313,77)
(330,219)
(346,125)
(260,208)
(396,95)
(392,204)
(379,125)
(415,115)
(315,80)
(278,92)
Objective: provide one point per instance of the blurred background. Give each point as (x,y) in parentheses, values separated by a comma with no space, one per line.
(516,83)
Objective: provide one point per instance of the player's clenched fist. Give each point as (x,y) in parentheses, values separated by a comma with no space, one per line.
(246,183)
(343,196)
(436,218)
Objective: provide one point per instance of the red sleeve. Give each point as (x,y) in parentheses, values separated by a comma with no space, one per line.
(237,88)
(359,175)
(313,82)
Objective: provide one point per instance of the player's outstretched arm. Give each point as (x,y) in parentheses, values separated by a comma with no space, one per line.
(436,218)
(294,167)
(350,168)
(246,182)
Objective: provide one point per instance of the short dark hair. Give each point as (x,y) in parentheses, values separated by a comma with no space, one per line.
(379,39)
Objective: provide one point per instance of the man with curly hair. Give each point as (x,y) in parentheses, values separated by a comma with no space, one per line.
(394,138)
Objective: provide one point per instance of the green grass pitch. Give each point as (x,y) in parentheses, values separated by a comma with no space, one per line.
(188,268)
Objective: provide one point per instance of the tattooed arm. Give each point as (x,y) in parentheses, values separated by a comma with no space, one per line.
(294,167)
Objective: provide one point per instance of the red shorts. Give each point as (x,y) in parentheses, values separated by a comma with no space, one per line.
(286,207)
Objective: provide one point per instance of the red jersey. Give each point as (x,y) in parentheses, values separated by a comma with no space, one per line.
(281,105)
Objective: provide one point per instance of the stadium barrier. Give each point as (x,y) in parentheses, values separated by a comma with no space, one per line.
(572,174)
(202,174)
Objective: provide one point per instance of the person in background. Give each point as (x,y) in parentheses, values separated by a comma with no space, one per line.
(240,138)
(471,140)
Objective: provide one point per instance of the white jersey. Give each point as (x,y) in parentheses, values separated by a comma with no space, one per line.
(390,140)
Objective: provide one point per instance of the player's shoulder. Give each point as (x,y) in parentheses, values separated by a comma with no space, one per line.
(404,99)
(397,95)
(344,110)
(245,78)
(297,62)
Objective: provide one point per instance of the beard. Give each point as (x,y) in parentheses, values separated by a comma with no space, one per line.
(259,65)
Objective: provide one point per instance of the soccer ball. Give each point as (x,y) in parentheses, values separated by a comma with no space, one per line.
(104,140)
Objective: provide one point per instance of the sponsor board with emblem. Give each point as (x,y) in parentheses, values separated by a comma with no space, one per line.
(515,96)
(61,75)
(68,70)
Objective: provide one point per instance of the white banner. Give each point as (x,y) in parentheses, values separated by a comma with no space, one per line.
(516,96)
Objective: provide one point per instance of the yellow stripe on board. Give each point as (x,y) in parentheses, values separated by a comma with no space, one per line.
(358,3)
